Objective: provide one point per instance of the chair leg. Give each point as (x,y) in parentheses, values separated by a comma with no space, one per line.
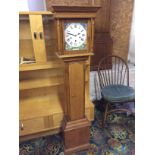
(105,115)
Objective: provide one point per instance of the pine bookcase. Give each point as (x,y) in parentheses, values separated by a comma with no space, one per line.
(41,83)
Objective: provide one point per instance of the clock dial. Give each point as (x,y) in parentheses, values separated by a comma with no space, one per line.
(75,36)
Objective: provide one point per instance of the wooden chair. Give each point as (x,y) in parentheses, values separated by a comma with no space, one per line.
(113,75)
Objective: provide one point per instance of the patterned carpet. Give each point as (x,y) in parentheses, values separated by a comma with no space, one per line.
(117,138)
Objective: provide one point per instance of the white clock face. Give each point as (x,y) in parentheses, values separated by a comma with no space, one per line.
(75,36)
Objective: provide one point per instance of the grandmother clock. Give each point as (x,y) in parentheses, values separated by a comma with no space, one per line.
(75,33)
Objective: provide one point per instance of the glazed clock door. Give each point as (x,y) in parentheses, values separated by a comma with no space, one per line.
(76,36)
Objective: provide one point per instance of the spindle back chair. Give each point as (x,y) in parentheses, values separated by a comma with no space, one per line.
(113,75)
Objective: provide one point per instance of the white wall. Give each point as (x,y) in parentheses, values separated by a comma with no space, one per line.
(23,5)
(131,52)
(32,5)
(36,5)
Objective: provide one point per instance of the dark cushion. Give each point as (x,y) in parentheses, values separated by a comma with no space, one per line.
(118,93)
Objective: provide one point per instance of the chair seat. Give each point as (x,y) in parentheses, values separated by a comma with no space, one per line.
(118,93)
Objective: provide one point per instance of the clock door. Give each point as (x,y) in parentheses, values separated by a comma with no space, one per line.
(77,92)
(75,36)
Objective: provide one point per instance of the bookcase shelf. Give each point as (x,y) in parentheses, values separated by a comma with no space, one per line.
(43,82)
(35,13)
(45,107)
(38,66)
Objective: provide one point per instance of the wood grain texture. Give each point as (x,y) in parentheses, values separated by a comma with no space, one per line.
(35,13)
(30,126)
(102,20)
(39,83)
(39,66)
(38,43)
(49,36)
(76,85)
(79,131)
(25,39)
(71,2)
(120,25)
(102,48)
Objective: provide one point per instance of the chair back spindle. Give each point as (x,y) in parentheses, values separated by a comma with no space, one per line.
(113,70)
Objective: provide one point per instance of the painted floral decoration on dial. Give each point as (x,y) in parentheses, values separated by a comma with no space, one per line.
(75,36)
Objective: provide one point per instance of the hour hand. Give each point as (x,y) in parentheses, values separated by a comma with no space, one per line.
(72,34)
(78,34)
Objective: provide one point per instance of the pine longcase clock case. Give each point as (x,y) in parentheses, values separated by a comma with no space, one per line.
(75,29)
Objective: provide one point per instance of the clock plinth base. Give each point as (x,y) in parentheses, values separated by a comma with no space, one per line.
(76,135)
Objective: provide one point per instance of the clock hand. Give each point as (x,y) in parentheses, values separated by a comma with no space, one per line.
(78,34)
(72,34)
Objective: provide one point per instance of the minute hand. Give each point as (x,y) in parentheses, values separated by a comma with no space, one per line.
(72,34)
